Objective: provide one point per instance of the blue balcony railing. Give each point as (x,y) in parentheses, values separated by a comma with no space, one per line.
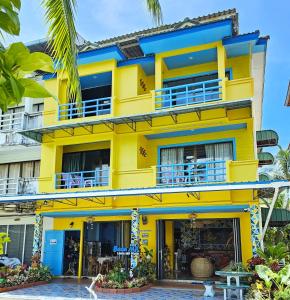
(89,108)
(191,173)
(188,94)
(70,180)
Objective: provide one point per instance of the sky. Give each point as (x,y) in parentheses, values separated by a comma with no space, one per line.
(100,19)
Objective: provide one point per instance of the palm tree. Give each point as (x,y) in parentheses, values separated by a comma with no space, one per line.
(282,163)
(62,34)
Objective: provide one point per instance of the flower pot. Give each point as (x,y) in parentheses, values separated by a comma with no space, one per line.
(201,267)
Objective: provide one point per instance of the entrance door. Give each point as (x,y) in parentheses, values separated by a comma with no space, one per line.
(53,251)
(160,226)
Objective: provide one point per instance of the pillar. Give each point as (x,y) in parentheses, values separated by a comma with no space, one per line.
(134,237)
(37,237)
(221,61)
(255,228)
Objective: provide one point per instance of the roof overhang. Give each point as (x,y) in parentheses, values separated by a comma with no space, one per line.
(255,185)
(245,44)
(147,63)
(186,37)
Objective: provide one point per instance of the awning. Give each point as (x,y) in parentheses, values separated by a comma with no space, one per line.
(279,217)
(255,185)
(267,138)
(265,158)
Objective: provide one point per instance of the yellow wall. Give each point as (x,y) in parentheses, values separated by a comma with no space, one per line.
(134,157)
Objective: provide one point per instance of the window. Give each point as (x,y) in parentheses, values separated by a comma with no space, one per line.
(37,107)
(21,241)
(10,173)
(84,169)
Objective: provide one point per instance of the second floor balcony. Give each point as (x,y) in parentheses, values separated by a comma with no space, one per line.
(12,122)
(18,186)
(82,179)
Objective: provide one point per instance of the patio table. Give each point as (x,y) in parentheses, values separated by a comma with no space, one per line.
(235,288)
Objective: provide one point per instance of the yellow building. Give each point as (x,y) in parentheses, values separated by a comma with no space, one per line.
(162,153)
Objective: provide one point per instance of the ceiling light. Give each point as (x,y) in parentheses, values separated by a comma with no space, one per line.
(190,57)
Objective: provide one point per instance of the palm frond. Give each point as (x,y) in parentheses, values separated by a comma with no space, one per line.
(154,8)
(62,34)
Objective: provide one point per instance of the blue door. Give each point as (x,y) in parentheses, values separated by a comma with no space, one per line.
(53,251)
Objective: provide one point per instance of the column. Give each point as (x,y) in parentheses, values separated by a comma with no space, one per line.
(134,237)
(221,61)
(37,238)
(255,228)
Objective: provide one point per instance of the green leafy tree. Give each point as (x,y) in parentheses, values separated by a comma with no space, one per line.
(62,34)
(17,63)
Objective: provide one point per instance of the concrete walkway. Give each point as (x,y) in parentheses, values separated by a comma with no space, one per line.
(64,290)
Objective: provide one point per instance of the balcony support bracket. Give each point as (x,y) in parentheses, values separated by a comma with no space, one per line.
(73,202)
(198,113)
(70,131)
(196,195)
(88,128)
(130,123)
(148,120)
(96,200)
(110,125)
(155,197)
(173,117)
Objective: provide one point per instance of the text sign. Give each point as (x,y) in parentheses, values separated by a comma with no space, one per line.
(126,251)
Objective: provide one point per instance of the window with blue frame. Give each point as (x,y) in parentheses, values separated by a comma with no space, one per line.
(199,163)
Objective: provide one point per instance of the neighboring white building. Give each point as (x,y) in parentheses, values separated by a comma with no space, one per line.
(19,170)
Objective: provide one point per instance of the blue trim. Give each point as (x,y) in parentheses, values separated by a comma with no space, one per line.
(241,38)
(149,211)
(134,61)
(233,140)
(178,32)
(103,50)
(103,212)
(195,209)
(195,131)
(48,76)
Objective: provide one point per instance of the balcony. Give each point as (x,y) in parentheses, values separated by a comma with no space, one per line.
(20,120)
(89,108)
(191,173)
(17,186)
(188,94)
(82,179)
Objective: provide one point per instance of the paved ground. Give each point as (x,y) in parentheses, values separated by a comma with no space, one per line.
(73,290)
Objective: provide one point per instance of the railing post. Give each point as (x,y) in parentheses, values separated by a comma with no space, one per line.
(203,91)
(186,94)
(82,180)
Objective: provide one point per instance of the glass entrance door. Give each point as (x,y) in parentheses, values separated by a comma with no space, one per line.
(99,240)
(198,248)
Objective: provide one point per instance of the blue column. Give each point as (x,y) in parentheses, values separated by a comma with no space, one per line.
(134,236)
(255,228)
(37,238)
